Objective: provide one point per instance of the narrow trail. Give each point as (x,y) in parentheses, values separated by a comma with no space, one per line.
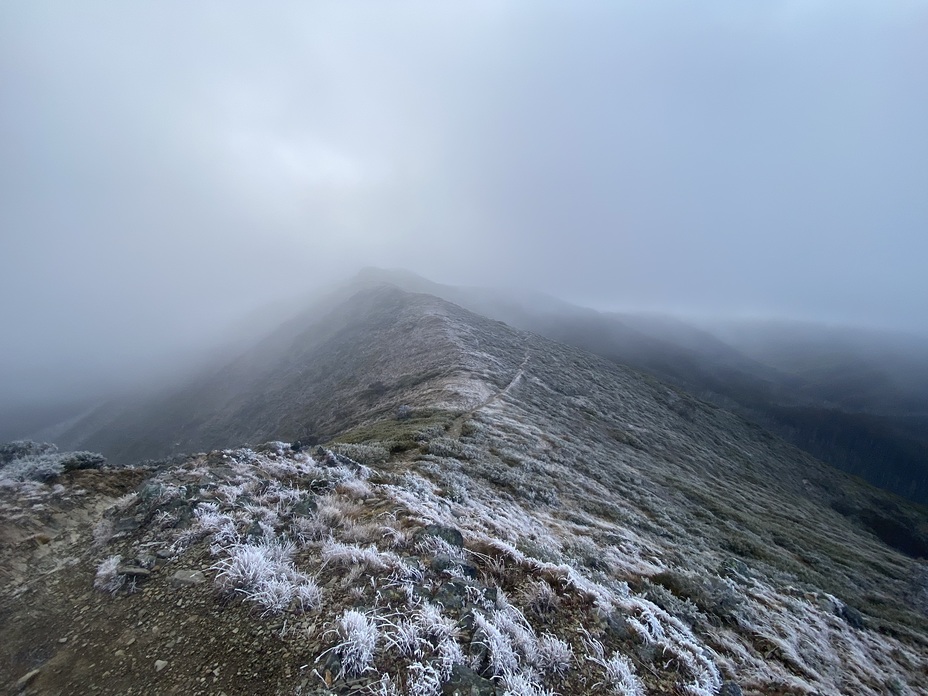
(458,424)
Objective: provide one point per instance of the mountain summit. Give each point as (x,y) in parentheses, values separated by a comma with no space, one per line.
(449,505)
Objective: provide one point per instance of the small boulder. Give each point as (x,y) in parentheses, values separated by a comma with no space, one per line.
(126,524)
(187,578)
(27,679)
(466,682)
(134,572)
(617,626)
(733,567)
(442,563)
(852,616)
(74,461)
(454,595)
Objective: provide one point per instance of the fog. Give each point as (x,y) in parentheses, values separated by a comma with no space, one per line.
(169,169)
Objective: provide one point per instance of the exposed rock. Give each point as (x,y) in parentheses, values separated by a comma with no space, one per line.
(75,461)
(730,689)
(454,594)
(617,626)
(186,578)
(126,524)
(305,507)
(134,572)
(27,679)
(160,665)
(466,682)
(852,616)
(442,563)
(733,567)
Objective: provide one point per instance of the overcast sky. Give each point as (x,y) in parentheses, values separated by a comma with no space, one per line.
(167,167)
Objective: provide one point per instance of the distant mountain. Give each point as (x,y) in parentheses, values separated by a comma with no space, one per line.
(876,372)
(490,512)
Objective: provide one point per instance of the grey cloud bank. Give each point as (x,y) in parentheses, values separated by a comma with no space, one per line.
(168,168)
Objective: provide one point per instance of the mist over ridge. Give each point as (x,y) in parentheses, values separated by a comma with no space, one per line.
(509,347)
(165,170)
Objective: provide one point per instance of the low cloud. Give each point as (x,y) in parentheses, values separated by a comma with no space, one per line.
(167,169)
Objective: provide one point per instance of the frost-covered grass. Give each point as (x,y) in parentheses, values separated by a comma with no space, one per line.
(541,598)
(554,655)
(256,525)
(431,545)
(107,578)
(369,454)
(564,544)
(359,636)
(264,573)
(593,559)
(102,532)
(347,555)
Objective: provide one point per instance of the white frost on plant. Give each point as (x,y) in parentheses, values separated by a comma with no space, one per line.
(448,654)
(618,674)
(346,555)
(554,655)
(264,573)
(435,625)
(503,657)
(405,636)
(107,578)
(359,637)
(436,546)
(523,685)
(383,687)
(423,679)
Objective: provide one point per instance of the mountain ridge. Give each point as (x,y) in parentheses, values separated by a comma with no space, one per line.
(654,542)
(862,410)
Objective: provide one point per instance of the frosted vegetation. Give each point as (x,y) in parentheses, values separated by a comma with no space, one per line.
(542,597)
(24,461)
(543,523)
(406,603)
(555,525)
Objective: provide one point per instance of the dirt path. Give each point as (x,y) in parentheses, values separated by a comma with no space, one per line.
(458,424)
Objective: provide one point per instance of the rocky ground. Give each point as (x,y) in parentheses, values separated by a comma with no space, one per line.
(275,572)
(158,623)
(162,620)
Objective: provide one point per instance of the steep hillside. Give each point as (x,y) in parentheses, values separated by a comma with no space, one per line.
(341,362)
(538,520)
(855,399)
